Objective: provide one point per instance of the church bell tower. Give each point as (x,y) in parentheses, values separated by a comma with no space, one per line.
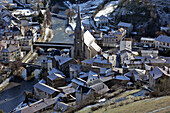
(79,49)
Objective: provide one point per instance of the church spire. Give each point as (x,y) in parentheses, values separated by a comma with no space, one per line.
(78,20)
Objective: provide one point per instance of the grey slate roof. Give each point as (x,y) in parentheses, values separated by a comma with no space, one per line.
(45,88)
(163,38)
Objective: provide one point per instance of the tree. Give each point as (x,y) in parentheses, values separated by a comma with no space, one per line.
(1,111)
(41,17)
(55,9)
(15,67)
(45,3)
(70,13)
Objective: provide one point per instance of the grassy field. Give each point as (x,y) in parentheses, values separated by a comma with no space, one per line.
(142,106)
(130,105)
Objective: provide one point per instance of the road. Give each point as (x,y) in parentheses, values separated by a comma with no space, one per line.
(12,95)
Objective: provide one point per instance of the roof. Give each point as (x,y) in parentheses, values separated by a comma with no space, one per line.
(45,88)
(11,48)
(138,74)
(67,89)
(73,67)
(149,51)
(148,39)
(163,38)
(124,24)
(61,60)
(158,72)
(119,77)
(37,106)
(87,61)
(88,38)
(79,81)
(98,86)
(54,76)
(54,70)
(92,76)
(101,59)
(95,46)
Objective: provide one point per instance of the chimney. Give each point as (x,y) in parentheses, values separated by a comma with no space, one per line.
(133,77)
(102,58)
(108,59)
(98,75)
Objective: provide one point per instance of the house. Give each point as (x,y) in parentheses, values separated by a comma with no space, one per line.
(102,21)
(39,106)
(127,26)
(113,38)
(67,90)
(12,31)
(156,74)
(10,53)
(61,107)
(42,90)
(162,41)
(46,64)
(136,74)
(74,70)
(134,64)
(84,95)
(101,60)
(146,53)
(78,81)
(125,45)
(62,63)
(98,86)
(55,80)
(125,55)
(165,29)
(119,79)
(147,42)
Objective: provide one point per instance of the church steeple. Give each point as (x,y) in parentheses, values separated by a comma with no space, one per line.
(79,47)
(78,20)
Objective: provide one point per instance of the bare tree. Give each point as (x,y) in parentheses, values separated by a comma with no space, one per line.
(16,67)
(70,13)
(55,9)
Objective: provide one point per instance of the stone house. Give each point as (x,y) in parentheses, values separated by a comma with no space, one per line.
(41,90)
(148,42)
(62,63)
(55,80)
(84,95)
(156,74)
(127,26)
(101,21)
(162,41)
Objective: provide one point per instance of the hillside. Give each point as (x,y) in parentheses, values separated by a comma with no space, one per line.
(161,105)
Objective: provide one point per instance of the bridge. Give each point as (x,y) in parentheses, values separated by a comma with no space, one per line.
(30,68)
(25,65)
(59,16)
(46,45)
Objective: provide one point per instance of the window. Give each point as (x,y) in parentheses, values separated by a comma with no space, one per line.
(78,53)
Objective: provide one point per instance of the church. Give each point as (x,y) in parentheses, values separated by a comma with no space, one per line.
(85,46)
